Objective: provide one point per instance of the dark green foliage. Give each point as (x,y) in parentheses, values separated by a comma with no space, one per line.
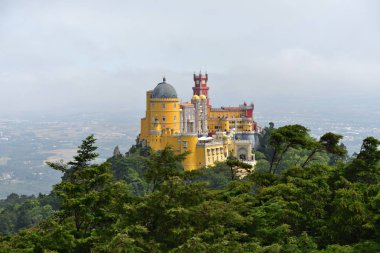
(318,207)
(366,168)
(328,143)
(263,179)
(86,153)
(216,177)
(139,149)
(292,145)
(285,138)
(87,197)
(161,166)
(17,212)
(130,169)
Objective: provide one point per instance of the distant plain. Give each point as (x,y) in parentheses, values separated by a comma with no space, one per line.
(26,143)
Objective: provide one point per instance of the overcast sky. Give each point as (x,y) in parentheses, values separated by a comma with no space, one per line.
(103,55)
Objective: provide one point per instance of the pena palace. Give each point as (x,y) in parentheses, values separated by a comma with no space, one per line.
(210,134)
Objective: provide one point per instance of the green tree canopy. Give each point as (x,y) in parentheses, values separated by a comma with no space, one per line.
(162,165)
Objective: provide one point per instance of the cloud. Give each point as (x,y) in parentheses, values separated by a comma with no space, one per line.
(92,55)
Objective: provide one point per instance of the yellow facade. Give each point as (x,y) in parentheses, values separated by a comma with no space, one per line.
(161,127)
(166,111)
(163,113)
(226,119)
(218,124)
(224,114)
(228,124)
(200,155)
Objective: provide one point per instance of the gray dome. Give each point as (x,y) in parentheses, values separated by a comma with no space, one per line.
(164,90)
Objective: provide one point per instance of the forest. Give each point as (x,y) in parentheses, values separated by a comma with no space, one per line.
(305,195)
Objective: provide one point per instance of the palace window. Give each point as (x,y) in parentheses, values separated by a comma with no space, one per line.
(163,118)
(175,118)
(175,105)
(163,105)
(184,144)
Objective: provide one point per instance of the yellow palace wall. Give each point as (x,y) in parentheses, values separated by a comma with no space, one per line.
(165,110)
(225,114)
(199,155)
(180,144)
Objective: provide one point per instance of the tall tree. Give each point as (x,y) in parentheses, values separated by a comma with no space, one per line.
(328,143)
(90,199)
(85,155)
(366,166)
(285,138)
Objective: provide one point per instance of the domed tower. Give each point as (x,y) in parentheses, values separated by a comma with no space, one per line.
(162,111)
(164,90)
(165,107)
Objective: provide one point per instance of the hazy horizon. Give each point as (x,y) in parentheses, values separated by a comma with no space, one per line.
(68,56)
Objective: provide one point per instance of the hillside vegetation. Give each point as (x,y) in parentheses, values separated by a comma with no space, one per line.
(306,195)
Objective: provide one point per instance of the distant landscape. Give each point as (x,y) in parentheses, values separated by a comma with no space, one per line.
(26,143)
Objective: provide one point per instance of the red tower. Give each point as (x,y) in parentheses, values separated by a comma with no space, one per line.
(200,86)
